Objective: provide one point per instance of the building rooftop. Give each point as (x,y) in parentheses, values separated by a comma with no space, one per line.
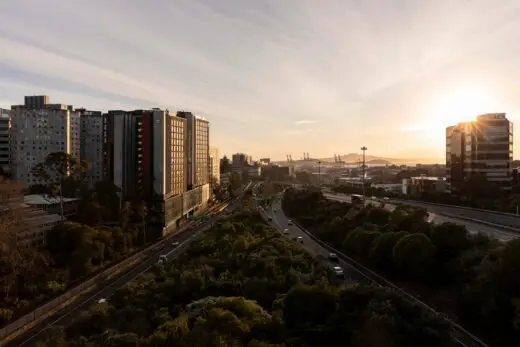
(37,199)
(428,178)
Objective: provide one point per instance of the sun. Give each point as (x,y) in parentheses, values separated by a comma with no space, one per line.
(461,104)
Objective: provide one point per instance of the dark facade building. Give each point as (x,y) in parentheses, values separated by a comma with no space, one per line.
(483,147)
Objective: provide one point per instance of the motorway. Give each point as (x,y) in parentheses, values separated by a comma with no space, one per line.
(436,215)
(67,315)
(280,222)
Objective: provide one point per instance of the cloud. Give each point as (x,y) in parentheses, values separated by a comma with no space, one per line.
(306,121)
(250,67)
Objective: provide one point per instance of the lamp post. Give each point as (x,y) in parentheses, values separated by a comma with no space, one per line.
(364,149)
(319,173)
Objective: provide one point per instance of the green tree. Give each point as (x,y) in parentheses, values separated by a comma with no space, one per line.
(414,254)
(54,170)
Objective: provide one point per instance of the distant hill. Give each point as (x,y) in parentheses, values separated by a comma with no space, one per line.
(354,158)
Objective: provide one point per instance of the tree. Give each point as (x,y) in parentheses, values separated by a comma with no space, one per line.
(54,170)
(16,259)
(413,254)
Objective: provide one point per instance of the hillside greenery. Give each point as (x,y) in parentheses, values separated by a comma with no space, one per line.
(243,284)
(473,278)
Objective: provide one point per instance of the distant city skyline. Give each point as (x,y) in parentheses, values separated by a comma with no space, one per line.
(275,77)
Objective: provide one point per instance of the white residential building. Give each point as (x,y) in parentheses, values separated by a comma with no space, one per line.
(37,132)
(91,143)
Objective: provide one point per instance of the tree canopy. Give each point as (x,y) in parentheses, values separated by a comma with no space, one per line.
(471,277)
(244,284)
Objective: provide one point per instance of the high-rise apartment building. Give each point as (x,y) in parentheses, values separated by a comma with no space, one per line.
(38,129)
(198,149)
(5,124)
(146,155)
(482,147)
(92,124)
(214,164)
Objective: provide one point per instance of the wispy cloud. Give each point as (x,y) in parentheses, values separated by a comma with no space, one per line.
(256,66)
(306,121)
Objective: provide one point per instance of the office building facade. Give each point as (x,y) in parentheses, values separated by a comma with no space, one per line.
(483,147)
(5,124)
(37,132)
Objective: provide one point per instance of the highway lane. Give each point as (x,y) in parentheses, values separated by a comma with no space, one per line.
(281,222)
(67,315)
(437,218)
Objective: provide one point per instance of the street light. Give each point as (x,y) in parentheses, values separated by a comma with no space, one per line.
(319,173)
(364,149)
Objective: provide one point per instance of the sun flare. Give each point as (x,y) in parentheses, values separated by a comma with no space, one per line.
(461,104)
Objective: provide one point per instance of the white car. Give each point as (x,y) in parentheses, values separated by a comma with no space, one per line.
(286,231)
(299,239)
(333,257)
(338,271)
(290,222)
(102,301)
(175,243)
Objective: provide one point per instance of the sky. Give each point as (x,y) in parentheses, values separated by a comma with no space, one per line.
(275,77)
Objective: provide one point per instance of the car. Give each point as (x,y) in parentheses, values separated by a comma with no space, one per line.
(162,259)
(286,231)
(338,271)
(386,198)
(102,301)
(290,222)
(299,239)
(175,243)
(333,257)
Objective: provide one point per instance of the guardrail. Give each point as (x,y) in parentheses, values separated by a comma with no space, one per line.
(35,317)
(458,332)
(500,213)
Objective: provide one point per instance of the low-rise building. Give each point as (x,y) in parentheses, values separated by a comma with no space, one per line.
(52,204)
(424,184)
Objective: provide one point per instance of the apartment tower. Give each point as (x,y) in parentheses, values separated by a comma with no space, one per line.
(38,129)
(197,149)
(482,147)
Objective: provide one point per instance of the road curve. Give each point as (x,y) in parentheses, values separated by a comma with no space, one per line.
(437,218)
(280,221)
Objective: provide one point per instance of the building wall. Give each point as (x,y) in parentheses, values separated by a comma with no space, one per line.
(160,166)
(91,143)
(214,164)
(179,158)
(197,150)
(35,133)
(5,124)
(483,147)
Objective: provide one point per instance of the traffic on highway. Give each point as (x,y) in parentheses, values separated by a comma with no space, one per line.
(163,254)
(355,272)
(340,271)
(435,215)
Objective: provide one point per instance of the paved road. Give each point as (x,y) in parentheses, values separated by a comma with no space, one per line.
(280,221)
(67,315)
(436,217)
